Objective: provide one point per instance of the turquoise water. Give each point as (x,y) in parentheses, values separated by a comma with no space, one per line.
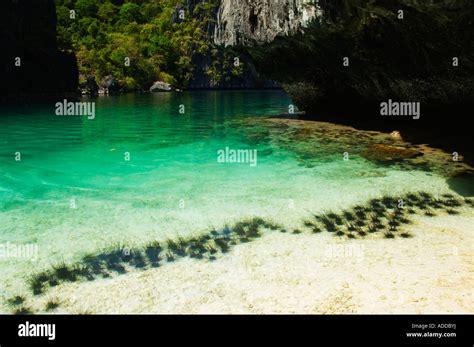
(74,191)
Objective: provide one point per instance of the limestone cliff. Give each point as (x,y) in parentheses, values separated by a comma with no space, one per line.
(242,22)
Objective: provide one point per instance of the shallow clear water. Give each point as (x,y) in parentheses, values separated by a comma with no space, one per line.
(73,192)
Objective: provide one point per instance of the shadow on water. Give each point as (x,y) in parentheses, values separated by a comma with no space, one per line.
(463,184)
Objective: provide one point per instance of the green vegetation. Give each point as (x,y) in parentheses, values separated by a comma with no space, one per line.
(161,38)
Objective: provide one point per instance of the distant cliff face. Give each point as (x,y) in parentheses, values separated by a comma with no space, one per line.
(30,62)
(241,22)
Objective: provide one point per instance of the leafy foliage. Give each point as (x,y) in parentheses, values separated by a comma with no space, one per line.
(159,37)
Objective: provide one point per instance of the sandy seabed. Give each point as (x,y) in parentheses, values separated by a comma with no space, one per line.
(432,272)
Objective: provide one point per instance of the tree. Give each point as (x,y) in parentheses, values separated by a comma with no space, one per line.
(86,8)
(130,12)
(107,12)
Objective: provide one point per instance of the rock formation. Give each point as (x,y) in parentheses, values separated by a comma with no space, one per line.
(109,85)
(160,86)
(362,53)
(30,60)
(242,22)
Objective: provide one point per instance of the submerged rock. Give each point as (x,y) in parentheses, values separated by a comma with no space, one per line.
(396,135)
(383,152)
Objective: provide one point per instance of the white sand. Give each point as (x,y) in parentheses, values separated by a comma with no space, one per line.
(285,273)
(430,273)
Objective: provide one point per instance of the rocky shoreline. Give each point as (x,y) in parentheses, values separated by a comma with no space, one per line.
(360,55)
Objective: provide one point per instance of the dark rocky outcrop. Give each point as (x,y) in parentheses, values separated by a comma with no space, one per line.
(89,87)
(215,71)
(409,59)
(109,85)
(28,32)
